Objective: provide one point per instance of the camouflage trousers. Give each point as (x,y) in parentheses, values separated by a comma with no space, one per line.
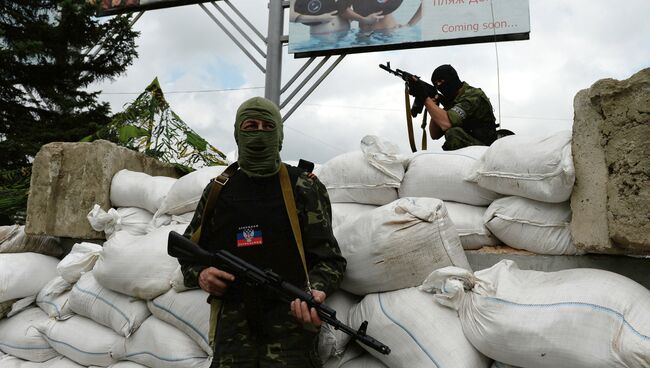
(456,138)
(263,334)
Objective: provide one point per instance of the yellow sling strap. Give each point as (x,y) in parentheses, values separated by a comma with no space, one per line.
(409,123)
(290,204)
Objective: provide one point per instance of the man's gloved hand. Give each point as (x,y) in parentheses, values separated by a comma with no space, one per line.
(416,87)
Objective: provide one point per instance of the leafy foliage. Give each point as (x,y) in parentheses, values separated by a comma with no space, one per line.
(150,126)
(44,76)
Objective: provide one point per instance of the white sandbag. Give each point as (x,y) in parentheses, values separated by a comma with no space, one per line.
(8,361)
(5,307)
(137,265)
(14,240)
(137,189)
(332,342)
(419,332)
(187,311)
(442,175)
(122,313)
(82,258)
(21,304)
(342,211)
(397,245)
(19,338)
(83,340)
(369,176)
(53,299)
(539,168)
(579,318)
(127,364)
(364,361)
(352,357)
(538,227)
(178,280)
(468,221)
(501,365)
(134,220)
(24,274)
(186,192)
(158,344)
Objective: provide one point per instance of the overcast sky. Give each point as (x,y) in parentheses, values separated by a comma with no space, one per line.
(573,43)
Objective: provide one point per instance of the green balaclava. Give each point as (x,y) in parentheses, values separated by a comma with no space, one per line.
(259,151)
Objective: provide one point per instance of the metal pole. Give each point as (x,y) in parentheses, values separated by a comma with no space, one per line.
(274,51)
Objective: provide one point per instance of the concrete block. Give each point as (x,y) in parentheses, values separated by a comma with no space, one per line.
(69,178)
(611,153)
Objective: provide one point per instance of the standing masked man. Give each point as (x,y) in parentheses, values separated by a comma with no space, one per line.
(466,117)
(252,218)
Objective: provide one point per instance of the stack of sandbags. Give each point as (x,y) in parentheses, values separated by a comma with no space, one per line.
(138,189)
(579,318)
(133,220)
(370,176)
(342,212)
(397,245)
(14,240)
(442,175)
(538,175)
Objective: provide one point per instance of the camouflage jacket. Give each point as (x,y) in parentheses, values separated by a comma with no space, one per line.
(325,264)
(473,112)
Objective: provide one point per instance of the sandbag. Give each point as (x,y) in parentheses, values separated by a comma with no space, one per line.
(579,318)
(419,332)
(5,307)
(133,220)
(342,211)
(442,175)
(369,176)
(186,192)
(353,357)
(53,299)
(82,258)
(8,361)
(539,168)
(175,350)
(397,245)
(538,227)
(137,189)
(126,364)
(122,313)
(21,305)
(138,266)
(24,274)
(14,240)
(187,311)
(332,342)
(83,340)
(20,339)
(468,221)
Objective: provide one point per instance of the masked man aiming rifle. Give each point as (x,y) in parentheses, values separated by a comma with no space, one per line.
(466,117)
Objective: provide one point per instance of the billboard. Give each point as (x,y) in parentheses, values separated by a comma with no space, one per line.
(329,27)
(111,7)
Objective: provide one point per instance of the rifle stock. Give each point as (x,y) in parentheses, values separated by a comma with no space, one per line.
(186,250)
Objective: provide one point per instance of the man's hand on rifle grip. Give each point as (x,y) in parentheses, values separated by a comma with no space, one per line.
(215,281)
(305,315)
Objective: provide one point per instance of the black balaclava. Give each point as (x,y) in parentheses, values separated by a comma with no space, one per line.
(259,151)
(449,88)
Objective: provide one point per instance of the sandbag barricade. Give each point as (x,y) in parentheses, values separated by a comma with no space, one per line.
(83,340)
(187,311)
(579,318)
(138,266)
(369,176)
(24,274)
(138,189)
(158,344)
(538,227)
(122,313)
(82,258)
(186,192)
(341,212)
(468,221)
(420,333)
(14,240)
(397,245)
(539,168)
(53,299)
(18,338)
(442,175)
(133,220)
(332,342)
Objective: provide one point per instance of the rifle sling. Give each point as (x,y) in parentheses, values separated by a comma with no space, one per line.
(409,120)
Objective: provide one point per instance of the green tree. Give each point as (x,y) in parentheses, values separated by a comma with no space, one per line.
(44,76)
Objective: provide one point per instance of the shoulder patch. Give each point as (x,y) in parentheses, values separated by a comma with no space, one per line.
(458,110)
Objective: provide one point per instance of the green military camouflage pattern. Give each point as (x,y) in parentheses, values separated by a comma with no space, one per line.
(263,334)
(473,112)
(325,263)
(456,138)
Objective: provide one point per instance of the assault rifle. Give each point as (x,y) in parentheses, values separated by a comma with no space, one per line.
(184,249)
(411,81)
